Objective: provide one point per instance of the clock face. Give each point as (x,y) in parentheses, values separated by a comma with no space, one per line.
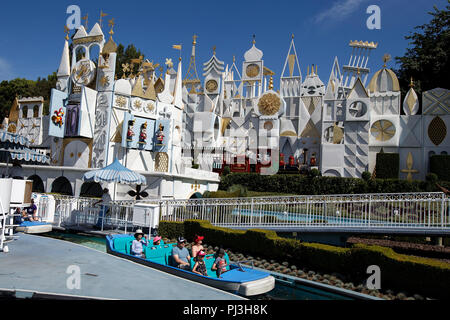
(211,85)
(252,70)
(83,73)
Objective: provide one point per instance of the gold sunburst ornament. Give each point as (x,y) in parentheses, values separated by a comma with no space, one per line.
(104,81)
(269,104)
(383,130)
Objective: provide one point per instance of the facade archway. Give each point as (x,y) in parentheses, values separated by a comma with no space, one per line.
(91,190)
(38,184)
(62,186)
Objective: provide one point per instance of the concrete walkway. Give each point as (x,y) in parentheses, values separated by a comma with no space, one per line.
(40,264)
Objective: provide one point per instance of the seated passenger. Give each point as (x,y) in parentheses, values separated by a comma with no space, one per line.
(197,247)
(157,241)
(200,266)
(31,211)
(220,264)
(181,255)
(137,248)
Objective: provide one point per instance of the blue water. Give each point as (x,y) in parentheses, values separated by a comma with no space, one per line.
(283,290)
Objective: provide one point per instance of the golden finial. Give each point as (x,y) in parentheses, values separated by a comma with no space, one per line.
(85,18)
(102,14)
(194,39)
(234,59)
(111,24)
(386,58)
(307,72)
(316,70)
(358,72)
(292,36)
(161,69)
(271,83)
(214,50)
(66,31)
(411,84)
(254,39)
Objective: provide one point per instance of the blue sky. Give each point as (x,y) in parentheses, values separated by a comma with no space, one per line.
(32,37)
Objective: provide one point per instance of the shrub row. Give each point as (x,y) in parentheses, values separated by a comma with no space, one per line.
(300,184)
(398,272)
(387,165)
(440,165)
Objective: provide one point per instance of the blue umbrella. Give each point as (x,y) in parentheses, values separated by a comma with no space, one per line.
(115,172)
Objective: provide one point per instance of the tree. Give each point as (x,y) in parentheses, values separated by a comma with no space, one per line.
(124,56)
(427,61)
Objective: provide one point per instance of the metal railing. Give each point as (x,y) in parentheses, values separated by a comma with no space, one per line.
(362,211)
(410,210)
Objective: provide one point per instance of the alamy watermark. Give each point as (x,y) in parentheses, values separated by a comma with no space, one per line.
(74,280)
(74,20)
(374,281)
(374,20)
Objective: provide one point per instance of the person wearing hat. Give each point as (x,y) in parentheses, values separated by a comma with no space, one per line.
(197,247)
(200,266)
(137,247)
(157,241)
(181,255)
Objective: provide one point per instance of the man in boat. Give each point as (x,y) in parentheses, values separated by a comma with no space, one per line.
(30,212)
(181,255)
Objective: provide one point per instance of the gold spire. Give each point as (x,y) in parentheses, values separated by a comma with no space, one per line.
(66,31)
(214,50)
(85,18)
(271,82)
(292,36)
(234,59)
(307,72)
(194,39)
(111,24)
(102,14)
(411,84)
(386,58)
(254,39)
(110,46)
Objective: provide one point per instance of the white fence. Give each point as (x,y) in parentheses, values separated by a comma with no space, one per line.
(410,211)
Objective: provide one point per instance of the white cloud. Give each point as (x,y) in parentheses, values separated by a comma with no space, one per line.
(338,11)
(5,70)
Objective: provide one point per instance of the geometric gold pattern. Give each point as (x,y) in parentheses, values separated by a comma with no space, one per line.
(161,162)
(383,130)
(269,104)
(437,131)
(409,167)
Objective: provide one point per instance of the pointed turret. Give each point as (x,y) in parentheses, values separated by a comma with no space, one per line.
(64,66)
(178,94)
(290,84)
(411,101)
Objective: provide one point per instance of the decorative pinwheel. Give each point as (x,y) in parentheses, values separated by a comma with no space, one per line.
(138,194)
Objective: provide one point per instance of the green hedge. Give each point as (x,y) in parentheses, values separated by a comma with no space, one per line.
(387,165)
(440,165)
(398,272)
(299,184)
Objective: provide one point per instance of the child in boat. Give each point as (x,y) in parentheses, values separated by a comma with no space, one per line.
(157,241)
(137,248)
(197,247)
(220,264)
(200,266)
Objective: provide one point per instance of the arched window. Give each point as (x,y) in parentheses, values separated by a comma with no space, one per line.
(25,112)
(62,186)
(36,111)
(38,185)
(91,190)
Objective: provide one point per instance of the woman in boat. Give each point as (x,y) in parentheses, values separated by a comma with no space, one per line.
(157,241)
(200,266)
(197,247)
(220,264)
(137,248)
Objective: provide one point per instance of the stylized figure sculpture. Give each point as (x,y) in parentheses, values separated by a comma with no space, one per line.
(130,132)
(58,117)
(143,134)
(160,134)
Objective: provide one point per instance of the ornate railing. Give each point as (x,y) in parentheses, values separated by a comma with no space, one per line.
(362,211)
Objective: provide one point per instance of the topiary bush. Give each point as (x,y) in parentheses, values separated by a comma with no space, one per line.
(366,176)
(400,272)
(440,165)
(387,165)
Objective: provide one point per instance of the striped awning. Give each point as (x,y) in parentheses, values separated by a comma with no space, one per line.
(13,138)
(115,172)
(27,155)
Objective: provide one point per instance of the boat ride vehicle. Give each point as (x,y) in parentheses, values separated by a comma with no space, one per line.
(238,279)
